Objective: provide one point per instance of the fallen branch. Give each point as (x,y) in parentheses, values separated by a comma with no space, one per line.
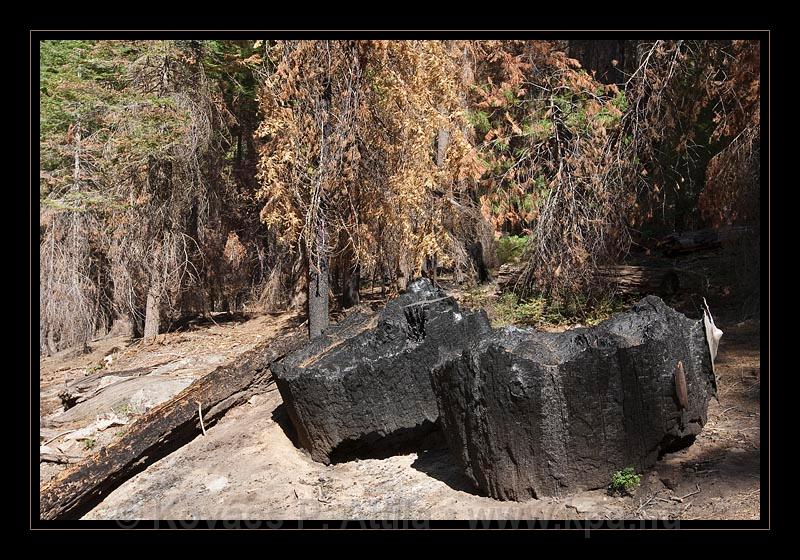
(680,500)
(52,439)
(661,279)
(645,504)
(427,301)
(200,414)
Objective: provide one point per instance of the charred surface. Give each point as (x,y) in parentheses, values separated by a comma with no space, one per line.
(531,414)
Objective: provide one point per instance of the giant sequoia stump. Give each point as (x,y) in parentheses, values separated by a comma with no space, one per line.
(531,414)
(350,395)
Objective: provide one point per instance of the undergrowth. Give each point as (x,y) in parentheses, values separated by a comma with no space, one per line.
(510,248)
(543,310)
(625,481)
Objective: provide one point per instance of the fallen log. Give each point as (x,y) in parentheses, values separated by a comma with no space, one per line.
(364,388)
(132,394)
(58,458)
(84,388)
(690,242)
(164,428)
(663,280)
(530,414)
(653,279)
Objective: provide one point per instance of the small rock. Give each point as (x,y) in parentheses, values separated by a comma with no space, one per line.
(217,484)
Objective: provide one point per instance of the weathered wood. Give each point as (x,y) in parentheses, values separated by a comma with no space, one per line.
(626,279)
(84,388)
(680,385)
(163,429)
(58,458)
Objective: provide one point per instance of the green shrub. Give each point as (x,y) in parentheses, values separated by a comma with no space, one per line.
(510,248)
(625,481)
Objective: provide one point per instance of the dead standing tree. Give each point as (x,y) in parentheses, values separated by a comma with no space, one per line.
(387,193)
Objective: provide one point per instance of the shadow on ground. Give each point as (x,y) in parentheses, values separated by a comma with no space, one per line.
(281,417)
(438,463)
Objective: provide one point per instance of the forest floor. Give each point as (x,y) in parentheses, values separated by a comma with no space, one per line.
(247,467)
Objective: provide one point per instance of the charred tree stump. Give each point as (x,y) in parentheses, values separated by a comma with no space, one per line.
(364,387)
(529,414)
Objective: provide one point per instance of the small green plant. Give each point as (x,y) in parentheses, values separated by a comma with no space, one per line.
(480,120)
(124,409)
(510,248)
(624,482)
(96,367)
(89,443)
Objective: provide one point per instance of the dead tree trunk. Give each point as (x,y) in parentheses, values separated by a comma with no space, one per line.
(350,274)
(123,325)
(442,141)
(318,284)
(163,429)
(481,270)
(152,317)
(603,58)
(664,280)
(351,284)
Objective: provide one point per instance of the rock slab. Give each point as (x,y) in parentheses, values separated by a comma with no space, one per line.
(530,414)
(349,395)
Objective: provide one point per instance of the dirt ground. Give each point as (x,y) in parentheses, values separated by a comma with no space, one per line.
(246,466)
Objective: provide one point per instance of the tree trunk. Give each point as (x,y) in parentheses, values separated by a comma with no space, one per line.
(604,58)
(152,317)
(52,346)
(661,279)
(530,414)
(401,275)
(351,279)
(429,267)
(122,326)
(76,173)
(481,270)
(441,146)
(318,285)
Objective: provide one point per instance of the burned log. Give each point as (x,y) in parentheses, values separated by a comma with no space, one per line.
(163,429)
(532,414)
(364,386)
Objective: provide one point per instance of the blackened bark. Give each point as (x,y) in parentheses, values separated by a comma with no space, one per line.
(604,58)
(351,284)
(429,268)
(529,414)
(350,273)
(476,254)
(372,392)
